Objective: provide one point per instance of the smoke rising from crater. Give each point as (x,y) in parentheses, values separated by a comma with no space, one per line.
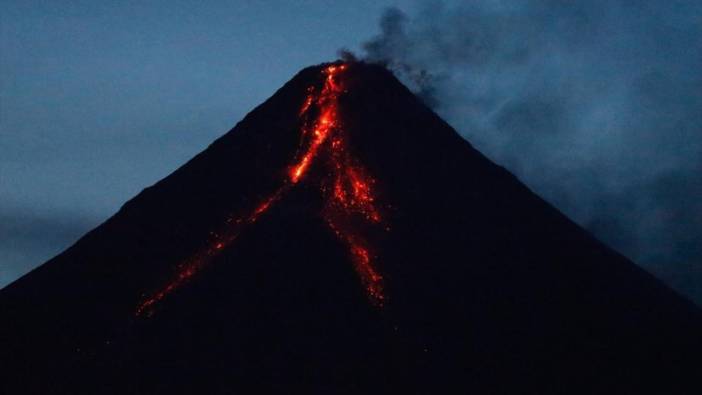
(596,105)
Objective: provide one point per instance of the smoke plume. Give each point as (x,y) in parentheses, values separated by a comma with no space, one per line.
(596,105)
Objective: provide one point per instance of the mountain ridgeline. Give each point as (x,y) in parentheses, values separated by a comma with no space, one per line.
(344,239)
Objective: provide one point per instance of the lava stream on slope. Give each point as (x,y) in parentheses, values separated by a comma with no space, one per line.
(346,188)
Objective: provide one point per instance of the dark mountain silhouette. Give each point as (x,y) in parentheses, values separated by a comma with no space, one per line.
(398,260)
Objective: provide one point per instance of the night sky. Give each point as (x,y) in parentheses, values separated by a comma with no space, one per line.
(594,104)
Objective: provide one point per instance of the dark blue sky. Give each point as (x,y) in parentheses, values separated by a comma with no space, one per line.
(595,104)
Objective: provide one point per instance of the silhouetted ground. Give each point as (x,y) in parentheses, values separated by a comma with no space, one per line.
(489,289)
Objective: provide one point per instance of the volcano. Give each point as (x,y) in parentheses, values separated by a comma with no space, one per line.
(342,238)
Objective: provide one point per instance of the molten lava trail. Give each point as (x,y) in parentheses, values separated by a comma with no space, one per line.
(347,190)
(219,242)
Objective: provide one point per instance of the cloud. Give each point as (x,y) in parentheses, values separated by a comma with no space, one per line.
(28,239)
(594,104)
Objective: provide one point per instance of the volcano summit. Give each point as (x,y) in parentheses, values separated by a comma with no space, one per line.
(342,238)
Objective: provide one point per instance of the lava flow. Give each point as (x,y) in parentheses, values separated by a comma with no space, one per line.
(347,190)
(195,263)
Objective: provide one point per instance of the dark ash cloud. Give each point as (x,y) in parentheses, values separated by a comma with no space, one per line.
(596,105)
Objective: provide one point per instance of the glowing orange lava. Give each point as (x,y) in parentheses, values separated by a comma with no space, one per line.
(351,195)
(195,263)
(348,209)
(321,126)
(349,200)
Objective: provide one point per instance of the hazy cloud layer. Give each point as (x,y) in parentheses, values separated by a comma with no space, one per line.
(596,105)
(27,236)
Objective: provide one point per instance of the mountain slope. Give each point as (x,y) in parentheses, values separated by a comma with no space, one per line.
(485,287)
